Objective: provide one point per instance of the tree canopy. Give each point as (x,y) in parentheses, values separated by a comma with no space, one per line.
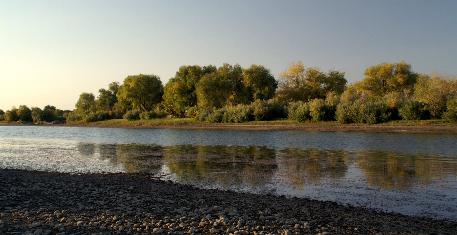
(299,83)
(143,92)
(385,77)
(260,82)
(86,103)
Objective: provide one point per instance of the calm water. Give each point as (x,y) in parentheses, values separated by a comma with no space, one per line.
(413,174)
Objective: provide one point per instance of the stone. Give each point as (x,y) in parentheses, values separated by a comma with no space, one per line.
(157,230)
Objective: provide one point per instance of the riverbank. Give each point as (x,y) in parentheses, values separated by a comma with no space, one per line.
(422,126)
(50,203)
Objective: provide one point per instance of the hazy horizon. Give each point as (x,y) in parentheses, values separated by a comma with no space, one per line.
(51,51)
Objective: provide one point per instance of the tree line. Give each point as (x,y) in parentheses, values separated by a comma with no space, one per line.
(231,93)
(49,114)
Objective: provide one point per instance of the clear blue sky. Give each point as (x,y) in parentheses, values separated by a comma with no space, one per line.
(51,51)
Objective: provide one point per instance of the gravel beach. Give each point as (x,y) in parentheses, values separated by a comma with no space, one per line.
(56,203)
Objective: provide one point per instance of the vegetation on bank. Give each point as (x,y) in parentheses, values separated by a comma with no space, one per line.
(232,94)
(24,114)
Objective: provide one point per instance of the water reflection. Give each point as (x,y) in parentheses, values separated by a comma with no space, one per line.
(311,166)
(394,171)
(223,165)
(133,158)
(256,166)
(86,149)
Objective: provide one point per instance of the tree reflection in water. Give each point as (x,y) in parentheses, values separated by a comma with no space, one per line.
(299,167)
(256,166)
(394,171)
(224,165)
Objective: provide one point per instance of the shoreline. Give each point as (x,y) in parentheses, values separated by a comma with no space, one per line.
(434,126)
(50,203)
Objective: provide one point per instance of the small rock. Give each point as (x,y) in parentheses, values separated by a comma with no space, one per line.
(79,223)
(157,230)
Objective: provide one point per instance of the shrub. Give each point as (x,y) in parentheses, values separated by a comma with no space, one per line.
(215,116)
(451,110)
(192,112)
(132,115)
(345,113)
(372,110)
(332,99)
(203,114)
(152,114)
(395,101)
(413,110)
(237,114)
(298,111)
(97,116)
(317,110)
(264,110)
(73,117)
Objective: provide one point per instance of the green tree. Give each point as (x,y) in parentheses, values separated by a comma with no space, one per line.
(335,82)
(303,84)
(24,113)
(180,92)
(11,115)
(85,104)
(37,115)
(49,113)
(177,98)
(213,91)
(234,74)
(259,82)
(433,92)
(107,98)
(143,92)
(2,115)
(292,86)
(451,110)
(384,78)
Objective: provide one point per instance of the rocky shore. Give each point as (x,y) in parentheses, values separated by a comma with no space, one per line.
(56,203)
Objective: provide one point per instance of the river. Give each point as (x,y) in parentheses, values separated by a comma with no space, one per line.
(413,174)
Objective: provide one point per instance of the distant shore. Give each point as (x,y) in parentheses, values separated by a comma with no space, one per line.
(49,203)
(423,126)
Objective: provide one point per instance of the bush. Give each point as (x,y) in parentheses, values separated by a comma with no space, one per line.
(345,113)
(131,115)
(372,110)
(413,110)
(73,117)
(215,116)
(332,99)
(451,110)
(318,110)
(298,111)
(203,114)
(152,115)
(192,112)
(95,117)
(264,110)
(237,114)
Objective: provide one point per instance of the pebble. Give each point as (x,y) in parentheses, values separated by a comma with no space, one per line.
(167,208)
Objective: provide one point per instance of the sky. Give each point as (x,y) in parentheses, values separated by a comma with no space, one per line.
(53,50)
